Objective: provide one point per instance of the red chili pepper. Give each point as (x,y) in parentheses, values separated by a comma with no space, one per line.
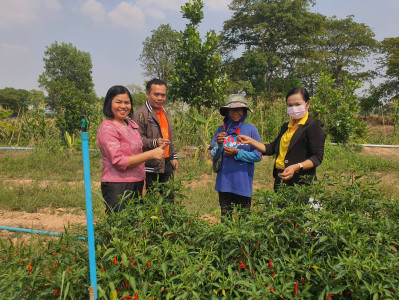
(394,245)
(67,271)
(76,257)
(102,269)
(392,290)
(55,253)
(270,264)
(330,296)
(237,130)
(118,289)
(148,264)
(115,260)
(44,272)
(272,289)
(56,292)
(272,275)
(134,263)
(296,225)
(296,288)
(30,268)
(136,297)
(127,284)
(63,249)
(242,265)
(55,264)
(166,235)
(200,268)
(127,297)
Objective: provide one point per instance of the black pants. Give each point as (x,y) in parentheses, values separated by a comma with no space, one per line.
(151,178)
(114,191)
(227,202)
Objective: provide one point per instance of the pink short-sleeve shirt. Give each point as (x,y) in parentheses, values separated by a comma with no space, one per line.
(117,143)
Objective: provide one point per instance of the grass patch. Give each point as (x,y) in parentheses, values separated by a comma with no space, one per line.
(30,197)
(42,178)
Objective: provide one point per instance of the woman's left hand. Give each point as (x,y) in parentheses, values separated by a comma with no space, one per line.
(230,151)
(288,172)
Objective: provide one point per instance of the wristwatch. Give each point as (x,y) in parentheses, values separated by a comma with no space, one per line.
(300,167)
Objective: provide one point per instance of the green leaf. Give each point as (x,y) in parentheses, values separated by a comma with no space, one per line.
(338,289)
(8,126)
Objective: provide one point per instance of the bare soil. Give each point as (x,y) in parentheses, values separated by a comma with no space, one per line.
(46,219)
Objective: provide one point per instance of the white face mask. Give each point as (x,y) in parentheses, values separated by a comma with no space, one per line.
(297,112)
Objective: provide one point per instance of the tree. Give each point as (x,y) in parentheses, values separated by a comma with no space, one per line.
(159,52)
(287,45)
(14,99)
(68,82)
(138,94)
(389,89)
(276,34)
(343,47)
(197,79)
(337,107)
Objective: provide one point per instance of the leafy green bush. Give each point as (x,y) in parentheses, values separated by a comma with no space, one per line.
(286,248)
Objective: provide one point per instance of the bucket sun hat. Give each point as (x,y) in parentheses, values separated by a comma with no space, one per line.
(234,101)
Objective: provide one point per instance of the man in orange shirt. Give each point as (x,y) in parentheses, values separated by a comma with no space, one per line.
(155,128)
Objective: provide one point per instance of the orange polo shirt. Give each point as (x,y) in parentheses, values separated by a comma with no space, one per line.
(163,122)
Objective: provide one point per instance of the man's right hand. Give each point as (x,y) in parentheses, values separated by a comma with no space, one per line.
(162,142)
(220,137)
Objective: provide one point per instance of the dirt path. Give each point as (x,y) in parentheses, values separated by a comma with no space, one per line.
(45,220)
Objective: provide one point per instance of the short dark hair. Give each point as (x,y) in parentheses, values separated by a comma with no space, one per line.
(112,92)
(156,81)
(301,90)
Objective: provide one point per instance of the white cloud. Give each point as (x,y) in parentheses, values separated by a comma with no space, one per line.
(94,10)
(217,5)
(17,12)
(127,15)
(172,5)
(156,14)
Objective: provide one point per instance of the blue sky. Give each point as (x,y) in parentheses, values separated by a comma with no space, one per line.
(113,32)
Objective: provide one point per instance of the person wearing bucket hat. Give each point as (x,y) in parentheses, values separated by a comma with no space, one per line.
(235,173)
(299,147)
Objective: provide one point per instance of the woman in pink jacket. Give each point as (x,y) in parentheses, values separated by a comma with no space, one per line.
(121,150)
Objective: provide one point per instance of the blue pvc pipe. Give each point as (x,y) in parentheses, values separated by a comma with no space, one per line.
(89,211)
(28,148)
(36,231)
(16,148)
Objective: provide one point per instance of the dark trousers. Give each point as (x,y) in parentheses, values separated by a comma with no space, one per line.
(114,191)
(227,202)
(151,178)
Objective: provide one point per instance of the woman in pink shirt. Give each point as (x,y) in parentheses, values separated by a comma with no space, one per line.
(121,150)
